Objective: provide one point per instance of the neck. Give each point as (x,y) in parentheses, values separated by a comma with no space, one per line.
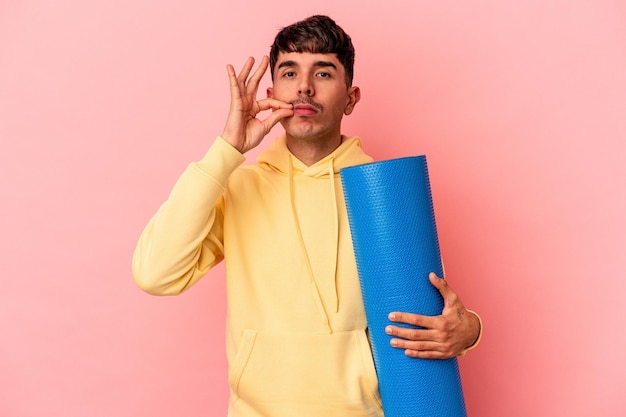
(312,150)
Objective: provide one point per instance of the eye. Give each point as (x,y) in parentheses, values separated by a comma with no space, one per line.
(289,74)
(323,74)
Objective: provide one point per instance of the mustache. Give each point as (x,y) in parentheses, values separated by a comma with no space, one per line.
(306,101)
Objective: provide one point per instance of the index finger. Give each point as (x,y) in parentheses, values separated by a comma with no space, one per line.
(419,320)
(272,103)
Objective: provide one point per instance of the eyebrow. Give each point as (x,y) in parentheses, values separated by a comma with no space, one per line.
(322,64)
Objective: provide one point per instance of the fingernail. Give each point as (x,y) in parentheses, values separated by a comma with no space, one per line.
(388,329)
(394,342)
(392,316)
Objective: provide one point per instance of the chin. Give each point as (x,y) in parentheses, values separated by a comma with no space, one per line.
(301,131)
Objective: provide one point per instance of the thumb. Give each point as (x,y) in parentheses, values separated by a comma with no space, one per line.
(275,117)
(449,296)
(440,284)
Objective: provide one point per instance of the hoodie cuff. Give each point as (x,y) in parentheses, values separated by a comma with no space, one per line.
(220,160)
(480,335)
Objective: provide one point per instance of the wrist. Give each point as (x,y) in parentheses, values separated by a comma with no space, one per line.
(478,325)
(226,136)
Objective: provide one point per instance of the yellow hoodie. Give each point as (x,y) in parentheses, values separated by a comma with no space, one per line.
(296,330)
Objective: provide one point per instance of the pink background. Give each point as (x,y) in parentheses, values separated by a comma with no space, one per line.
(520,107)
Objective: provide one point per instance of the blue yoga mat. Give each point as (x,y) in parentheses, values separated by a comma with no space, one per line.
(394,234)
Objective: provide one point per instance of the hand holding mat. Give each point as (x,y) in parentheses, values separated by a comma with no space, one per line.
(394,234)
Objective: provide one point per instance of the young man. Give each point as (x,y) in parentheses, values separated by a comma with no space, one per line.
(296,331)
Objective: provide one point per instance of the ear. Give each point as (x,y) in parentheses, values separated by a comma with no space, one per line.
(269,92)
(354,95)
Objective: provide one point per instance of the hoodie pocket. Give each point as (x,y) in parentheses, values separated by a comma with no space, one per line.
(307,373)
(241,359)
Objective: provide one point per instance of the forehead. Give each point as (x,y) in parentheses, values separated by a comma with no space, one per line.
(307,59)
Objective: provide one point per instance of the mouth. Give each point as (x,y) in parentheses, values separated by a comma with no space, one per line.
(305,110)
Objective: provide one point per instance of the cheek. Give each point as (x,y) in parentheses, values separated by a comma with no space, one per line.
(340,105)
(337,113)
(282,92)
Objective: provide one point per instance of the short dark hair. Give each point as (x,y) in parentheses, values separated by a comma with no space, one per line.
(317,35)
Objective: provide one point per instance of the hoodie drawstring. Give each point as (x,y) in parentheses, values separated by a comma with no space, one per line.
(316,292)
(333,199)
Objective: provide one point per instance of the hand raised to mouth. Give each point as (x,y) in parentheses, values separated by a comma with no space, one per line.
(243,129)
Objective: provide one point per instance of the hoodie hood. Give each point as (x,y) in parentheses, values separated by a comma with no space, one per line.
(318,237)
(349,153)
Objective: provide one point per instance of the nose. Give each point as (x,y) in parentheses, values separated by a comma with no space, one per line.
(305,87)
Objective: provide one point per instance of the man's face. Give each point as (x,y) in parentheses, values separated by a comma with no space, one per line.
(315,84)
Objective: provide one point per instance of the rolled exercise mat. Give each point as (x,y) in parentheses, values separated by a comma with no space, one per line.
(394,234)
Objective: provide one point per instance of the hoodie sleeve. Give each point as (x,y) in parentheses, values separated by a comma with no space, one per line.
(183,240)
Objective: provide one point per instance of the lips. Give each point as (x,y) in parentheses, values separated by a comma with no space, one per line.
(304,110)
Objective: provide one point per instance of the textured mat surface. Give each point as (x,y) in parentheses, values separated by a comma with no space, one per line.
(394,234)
